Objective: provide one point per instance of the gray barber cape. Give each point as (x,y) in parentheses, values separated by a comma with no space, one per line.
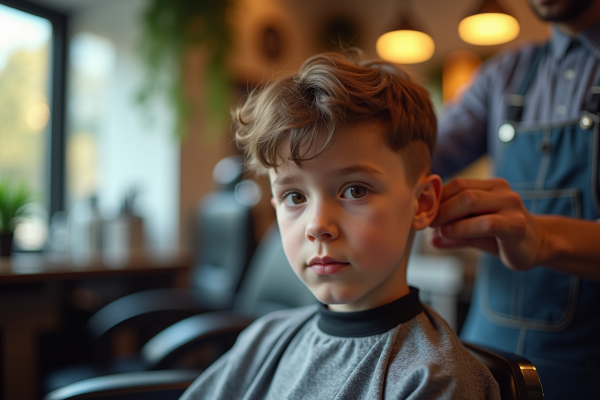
(402,350)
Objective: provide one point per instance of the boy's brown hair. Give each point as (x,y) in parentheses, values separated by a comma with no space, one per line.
(331,91)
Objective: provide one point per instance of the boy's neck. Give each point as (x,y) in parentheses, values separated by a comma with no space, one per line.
(402,291)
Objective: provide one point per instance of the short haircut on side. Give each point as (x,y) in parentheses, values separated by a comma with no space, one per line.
(332,90)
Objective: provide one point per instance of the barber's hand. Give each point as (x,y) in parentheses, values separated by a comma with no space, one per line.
(488,215)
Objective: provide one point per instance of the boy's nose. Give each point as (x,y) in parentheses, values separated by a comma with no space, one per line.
(321,226)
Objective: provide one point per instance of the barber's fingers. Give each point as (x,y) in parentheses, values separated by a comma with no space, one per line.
(461,184)
(509,227)
(487,244)
(476,202)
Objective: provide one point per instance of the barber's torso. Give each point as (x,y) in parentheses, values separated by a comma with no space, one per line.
(552,162)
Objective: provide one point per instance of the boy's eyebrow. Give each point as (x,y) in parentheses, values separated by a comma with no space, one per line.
(357,169)
(353,169)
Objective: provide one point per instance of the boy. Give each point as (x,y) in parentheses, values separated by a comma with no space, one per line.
(347,149)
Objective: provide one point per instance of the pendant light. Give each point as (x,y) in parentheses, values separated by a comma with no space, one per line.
(490,24)
(406,44)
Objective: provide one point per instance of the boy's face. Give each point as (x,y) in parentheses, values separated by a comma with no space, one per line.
(345,219)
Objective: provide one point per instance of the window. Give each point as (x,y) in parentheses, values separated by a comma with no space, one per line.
(91,65)
(31,109)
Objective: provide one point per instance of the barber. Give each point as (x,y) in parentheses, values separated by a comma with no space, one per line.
(535,111)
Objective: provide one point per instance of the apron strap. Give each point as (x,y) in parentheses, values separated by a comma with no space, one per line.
(515,101)
(593,106)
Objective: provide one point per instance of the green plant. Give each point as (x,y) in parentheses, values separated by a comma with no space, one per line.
(170,29)
(13,198)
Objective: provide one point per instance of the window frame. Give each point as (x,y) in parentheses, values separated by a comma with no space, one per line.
(55,176)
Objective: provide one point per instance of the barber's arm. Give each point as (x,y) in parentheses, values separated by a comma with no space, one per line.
(462,127)
(488,215)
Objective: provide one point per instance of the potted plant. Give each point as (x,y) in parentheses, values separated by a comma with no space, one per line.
(13,198)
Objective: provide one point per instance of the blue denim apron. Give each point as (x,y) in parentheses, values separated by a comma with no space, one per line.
(551,318)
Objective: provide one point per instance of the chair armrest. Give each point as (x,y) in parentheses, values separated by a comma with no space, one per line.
(218,330)
(173,304)
(146,385)
(525,385)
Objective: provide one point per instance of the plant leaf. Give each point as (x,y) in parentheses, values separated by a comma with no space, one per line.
(13,199)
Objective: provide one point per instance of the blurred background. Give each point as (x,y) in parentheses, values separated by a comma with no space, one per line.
(114,114)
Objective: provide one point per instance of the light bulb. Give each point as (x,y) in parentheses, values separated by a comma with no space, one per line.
(488,29)
(405,46)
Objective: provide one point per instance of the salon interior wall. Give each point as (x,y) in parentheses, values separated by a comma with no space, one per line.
(301,24)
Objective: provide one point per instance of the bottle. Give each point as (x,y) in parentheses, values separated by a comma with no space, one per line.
(85,231)
(124,236)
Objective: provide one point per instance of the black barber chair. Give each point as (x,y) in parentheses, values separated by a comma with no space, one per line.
(269,285)
(224,243)
(148,385)
(516,375)
(179,352)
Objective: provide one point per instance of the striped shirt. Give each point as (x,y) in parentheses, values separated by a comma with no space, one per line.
(559,92)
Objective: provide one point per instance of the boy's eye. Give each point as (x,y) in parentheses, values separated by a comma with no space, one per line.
(355,192)
(294,198)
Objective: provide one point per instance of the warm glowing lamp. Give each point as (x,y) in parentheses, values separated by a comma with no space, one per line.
(405,45)
(457,73)
(489,25)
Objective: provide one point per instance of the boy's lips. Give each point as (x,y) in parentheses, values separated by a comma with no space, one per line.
(326,265)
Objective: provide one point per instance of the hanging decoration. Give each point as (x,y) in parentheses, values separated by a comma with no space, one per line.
(170,30)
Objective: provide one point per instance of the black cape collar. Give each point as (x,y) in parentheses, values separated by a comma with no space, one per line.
(370,322)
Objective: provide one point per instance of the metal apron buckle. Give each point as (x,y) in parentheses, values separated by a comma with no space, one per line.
(507,132)
(586,121)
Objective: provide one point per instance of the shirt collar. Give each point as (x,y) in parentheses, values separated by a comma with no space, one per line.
(589,38)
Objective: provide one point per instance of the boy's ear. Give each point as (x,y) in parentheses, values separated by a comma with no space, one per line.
(428,191)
